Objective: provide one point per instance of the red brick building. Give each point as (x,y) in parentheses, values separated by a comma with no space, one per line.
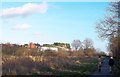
(31,45)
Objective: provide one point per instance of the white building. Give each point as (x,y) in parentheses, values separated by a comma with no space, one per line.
(49,48)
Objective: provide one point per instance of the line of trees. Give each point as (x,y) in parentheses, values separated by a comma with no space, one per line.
(86,44)
(67,45)
(86,47)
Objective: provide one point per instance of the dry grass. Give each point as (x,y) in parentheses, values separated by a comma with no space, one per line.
(49,65)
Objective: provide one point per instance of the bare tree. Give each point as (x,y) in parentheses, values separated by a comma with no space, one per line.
(76,44)
(109,28)
(88,47)
(110,25)
(88,43)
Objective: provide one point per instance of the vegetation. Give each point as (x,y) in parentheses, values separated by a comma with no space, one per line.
(67,45)
(50,66)
(27,61)
(76,45)
(109,28)
(62,44)
(20,60)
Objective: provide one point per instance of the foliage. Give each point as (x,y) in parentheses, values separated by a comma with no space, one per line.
(59,44)
(21,51)
(8,49)
(62,54)
(48,45)
(50,53)
(67,45)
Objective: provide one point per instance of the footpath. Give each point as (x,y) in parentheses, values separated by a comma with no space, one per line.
(104,70)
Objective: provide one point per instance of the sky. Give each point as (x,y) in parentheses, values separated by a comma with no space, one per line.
(49,22)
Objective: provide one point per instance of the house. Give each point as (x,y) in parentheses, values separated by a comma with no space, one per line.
(32,45)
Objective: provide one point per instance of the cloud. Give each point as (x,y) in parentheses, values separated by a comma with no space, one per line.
(24,10)
(22,27)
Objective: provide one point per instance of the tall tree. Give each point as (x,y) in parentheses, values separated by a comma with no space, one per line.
(109,28)
(110,25)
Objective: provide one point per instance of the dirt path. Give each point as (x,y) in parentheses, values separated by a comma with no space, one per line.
(104,70)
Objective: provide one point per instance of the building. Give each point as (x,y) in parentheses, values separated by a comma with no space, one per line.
(31,45)
(49,48)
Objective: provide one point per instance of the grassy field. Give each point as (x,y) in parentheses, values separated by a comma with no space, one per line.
(49,66)
(17,60)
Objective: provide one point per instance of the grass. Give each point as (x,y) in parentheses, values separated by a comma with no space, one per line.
(83,68)
(51,66)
